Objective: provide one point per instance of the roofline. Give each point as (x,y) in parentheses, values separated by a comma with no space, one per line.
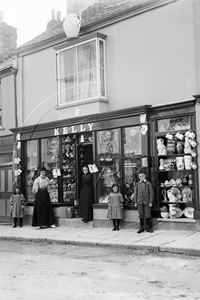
(110,20)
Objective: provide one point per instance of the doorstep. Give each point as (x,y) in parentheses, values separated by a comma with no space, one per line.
(75,222)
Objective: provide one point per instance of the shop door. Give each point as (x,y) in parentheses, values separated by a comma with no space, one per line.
(6,179)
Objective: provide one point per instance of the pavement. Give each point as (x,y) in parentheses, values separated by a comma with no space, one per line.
(171,241)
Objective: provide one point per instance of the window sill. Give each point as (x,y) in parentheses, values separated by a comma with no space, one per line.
(2,128)
(82,102)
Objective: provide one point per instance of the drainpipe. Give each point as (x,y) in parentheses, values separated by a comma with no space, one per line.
(14,71)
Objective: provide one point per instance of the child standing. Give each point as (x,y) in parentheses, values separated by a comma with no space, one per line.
(143,196)
(17,206)
(115,205)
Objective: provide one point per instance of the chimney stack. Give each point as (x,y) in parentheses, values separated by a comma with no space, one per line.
(53,20)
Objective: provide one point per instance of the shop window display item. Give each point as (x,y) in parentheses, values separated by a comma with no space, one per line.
(189,212)
(161,147)
(180,163)
(68,169)
(171,146)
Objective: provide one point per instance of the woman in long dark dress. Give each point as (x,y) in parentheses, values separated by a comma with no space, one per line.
(43,214)
(86,196)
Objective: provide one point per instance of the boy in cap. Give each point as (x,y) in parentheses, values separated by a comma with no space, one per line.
(143,196)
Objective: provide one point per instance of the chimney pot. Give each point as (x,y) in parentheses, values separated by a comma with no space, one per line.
(53,14)
(59,15)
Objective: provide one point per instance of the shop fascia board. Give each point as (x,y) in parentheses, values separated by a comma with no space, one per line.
(169,109)
(87,29)
(107,116)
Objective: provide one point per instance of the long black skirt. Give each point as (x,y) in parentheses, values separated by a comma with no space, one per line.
(85,203)
(43,214)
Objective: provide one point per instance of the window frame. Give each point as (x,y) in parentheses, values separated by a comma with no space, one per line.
(99,95)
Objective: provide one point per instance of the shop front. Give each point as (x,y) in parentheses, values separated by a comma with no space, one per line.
(174,132)
(114,145)
(162,141)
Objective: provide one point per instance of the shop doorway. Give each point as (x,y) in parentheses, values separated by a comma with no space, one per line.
(85,154)
(85,157)
(6,181)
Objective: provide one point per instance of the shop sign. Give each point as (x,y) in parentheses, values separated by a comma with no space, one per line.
(73,129)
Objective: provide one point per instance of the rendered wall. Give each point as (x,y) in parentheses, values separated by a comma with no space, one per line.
(8,105)
(150,59)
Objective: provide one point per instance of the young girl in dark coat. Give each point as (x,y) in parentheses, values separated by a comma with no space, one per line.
(115,206)
(17,201)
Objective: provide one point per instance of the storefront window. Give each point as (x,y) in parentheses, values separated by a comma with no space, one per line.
(69,168)
(179,123)
(108,162)
(132,159)
(51,161)
(32,166)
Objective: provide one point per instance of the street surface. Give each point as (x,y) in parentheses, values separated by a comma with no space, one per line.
(42,271)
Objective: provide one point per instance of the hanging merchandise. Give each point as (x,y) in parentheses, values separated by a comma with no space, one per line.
(187,146)
(190,134)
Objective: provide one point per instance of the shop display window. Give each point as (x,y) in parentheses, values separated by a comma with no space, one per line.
(108,162)
(51,161)
(176,168)
(69,168)
(132,160)
(180,123)
(32,167)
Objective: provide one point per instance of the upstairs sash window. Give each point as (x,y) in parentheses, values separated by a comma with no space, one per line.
(81,72)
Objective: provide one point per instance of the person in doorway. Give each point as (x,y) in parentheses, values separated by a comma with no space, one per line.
(43,214)
(86,195)
(115,205)
(17,201)
(143,196)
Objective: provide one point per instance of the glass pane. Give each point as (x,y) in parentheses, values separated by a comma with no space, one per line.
(32,167)
(87,74)
(86,56)
(180,123)
(132,159)
(2,182)
(108,162)
(132,141)
(50,152)
(67,62)
(68,89)
(69,168)
(87,84)
(51,161)
(101,53)
(10,180)
(102,82)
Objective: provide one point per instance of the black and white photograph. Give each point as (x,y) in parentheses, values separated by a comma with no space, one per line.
(99,149)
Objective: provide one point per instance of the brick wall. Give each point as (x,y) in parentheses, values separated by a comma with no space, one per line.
(8,40)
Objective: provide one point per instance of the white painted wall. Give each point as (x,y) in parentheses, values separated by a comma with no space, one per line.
(8,105)
(150,59)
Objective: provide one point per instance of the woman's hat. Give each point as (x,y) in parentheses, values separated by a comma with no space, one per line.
(42,169)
